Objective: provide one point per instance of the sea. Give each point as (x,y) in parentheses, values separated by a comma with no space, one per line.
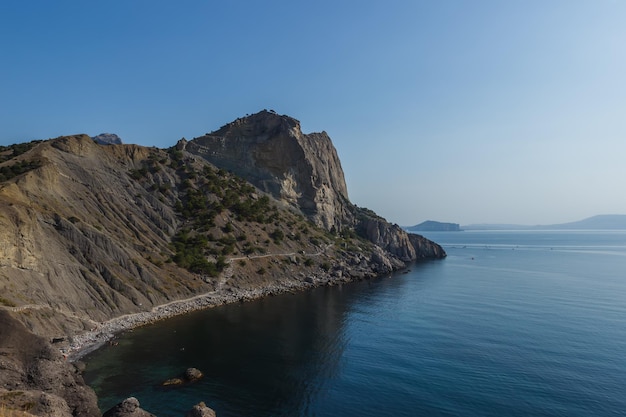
(511,323)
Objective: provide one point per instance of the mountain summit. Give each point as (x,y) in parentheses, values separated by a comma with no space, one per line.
(271,152)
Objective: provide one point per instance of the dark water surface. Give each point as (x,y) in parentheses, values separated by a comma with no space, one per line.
(510,324)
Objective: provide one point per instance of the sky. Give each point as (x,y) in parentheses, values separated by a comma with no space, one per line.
(471,111)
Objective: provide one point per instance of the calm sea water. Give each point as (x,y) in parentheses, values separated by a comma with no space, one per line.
(510,324)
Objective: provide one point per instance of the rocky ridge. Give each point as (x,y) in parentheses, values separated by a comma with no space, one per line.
(97,239)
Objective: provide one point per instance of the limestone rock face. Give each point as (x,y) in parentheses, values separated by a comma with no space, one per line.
(272,153)
(390,237)
(425,248)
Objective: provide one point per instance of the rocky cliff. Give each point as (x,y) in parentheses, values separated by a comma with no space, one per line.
(303,170)
(272,153)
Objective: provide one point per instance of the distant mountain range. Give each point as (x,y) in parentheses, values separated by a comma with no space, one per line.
(600,222)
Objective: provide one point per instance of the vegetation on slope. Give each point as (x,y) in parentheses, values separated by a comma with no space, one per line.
(224,217)
(16,167)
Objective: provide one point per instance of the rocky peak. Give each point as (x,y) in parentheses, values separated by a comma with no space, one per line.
(107,139)
(271,152)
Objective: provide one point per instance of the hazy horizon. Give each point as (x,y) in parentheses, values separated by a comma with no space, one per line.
(487,223)
(463,112)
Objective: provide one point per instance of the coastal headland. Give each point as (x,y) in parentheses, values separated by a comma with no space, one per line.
(96,239)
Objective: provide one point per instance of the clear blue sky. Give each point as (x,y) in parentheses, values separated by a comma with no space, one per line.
(463,111)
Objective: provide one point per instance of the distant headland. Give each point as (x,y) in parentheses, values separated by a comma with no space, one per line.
(599,222)
(433,226)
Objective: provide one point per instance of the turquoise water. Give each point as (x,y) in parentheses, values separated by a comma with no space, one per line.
(509,324)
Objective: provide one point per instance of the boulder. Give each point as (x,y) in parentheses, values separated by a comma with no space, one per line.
(193,374)
(190,375)
(128,408)
(201,410)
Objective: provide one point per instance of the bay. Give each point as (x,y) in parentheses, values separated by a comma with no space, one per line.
(510,323)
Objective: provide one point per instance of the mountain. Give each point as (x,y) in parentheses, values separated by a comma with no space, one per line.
(95,239)
(272,153)
(433,226)
(599,222)
(302,171)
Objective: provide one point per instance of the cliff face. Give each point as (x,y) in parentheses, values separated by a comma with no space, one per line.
(392,238)
(272,153)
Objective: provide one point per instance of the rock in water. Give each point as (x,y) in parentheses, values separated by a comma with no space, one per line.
(190,375)
(128,408)
(201,410)
(193,374)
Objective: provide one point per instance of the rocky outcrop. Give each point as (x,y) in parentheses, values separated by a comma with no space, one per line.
(425,248)
(406,246)
(107,139)
(201,410)
(190,375)
(128,408)
(272,153)
(37,378)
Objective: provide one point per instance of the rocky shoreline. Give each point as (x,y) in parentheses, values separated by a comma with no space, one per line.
(82,344)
